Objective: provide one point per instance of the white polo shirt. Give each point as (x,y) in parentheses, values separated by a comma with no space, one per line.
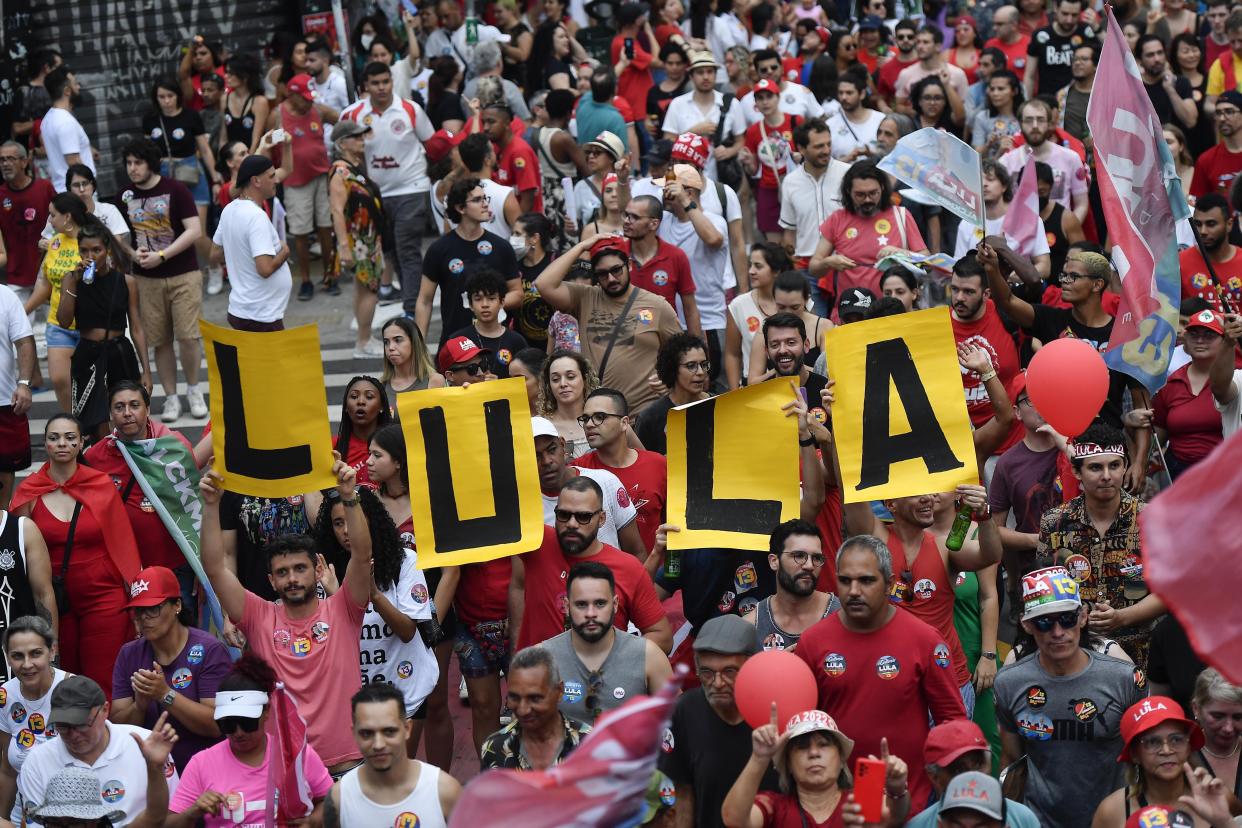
(684,113)
(394,149)
(796,100)
(120,769)
(806,202)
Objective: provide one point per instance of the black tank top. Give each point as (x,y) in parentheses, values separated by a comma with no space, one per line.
(239,127)
(104,303)
(15,592)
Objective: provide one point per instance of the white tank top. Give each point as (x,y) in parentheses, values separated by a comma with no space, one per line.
(421,807)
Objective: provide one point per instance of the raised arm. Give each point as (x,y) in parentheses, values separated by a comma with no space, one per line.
(550,282)
(358,577)
(1019,310)
(859,519)
(224,581)
(986,551)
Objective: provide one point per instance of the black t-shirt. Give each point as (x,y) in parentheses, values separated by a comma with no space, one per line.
(258,521)
(716,582)
(1055,52)
(531,320)
(448,108)
(658,101)
(701,750)
(1171,660)
(1164,105)
(174,131)
(651,424)
(450,261)
(503,347)
(1056,323)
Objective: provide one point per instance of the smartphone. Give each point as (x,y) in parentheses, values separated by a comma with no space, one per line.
(869,777)
(629,48)
(278,136)
(410,7)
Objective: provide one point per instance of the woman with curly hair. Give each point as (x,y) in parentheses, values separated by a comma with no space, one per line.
(364,410)
(683,368)
(565,381)
(392,647)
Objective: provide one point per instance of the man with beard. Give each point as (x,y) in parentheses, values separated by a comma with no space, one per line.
(1073,98)
(927,48)
(796,555)
(1171,95)
(1218,166)
(865,230)
(784,335)
(905,34)
(388,783)
(854,126)
(303,638)
(1051,48)
(537,599)
(1069,173)
(24,202)
(602,668)
(880,671)
(1214,221)
(622,325)
(540,736)
(64,140)
(707,743)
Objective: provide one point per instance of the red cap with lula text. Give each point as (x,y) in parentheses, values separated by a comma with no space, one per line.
(457,350)
(1152,712)
(153,586)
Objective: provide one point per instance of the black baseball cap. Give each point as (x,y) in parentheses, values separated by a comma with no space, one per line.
(73,699)
(855,302)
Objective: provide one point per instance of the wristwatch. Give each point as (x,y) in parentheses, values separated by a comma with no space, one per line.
(169,698)
(694,205)
(809,441)
(989,656)
(24,382)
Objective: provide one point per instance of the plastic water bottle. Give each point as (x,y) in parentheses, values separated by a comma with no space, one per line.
(961,525)
(672,563)
(88,275)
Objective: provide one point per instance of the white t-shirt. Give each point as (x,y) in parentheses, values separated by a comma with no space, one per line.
(970,234)
(105,212)
(706,265)
(796,100)
(120,769)
(848,136)
(396,161)
(333,93)
(383,656)
(709,200)
(30,729)
(244,232)
(616,516)
(17,327)
(1231,414)
(683,113)
(63,135)
(806,201)
(440,43)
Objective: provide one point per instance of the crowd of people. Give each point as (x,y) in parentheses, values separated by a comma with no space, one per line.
(629,222)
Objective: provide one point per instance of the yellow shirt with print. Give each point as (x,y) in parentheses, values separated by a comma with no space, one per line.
(62,257)
(1216,75)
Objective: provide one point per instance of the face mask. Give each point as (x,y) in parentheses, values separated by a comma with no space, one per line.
(367,40)
(519,245)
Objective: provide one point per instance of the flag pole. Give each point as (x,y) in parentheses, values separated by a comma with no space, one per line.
(1207,260)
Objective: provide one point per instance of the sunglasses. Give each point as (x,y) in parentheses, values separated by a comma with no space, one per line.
(612,272)
(581,518)
(474,368)
(1067,620)
(230,724)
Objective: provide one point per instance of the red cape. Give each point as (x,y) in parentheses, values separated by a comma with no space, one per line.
(97,494)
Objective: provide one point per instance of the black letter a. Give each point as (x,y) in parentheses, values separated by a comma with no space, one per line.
(887,360)
(703,511)
(452,533)
(239,456)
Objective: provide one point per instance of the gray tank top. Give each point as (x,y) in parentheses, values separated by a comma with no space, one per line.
(771,636)
(622,676)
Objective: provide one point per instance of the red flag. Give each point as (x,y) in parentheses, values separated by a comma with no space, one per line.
(289,794)
(1022,224)
(1191,575)
(601,785)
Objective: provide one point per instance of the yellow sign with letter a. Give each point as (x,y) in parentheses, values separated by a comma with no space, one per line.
(899,418)
(474,485)
(732,468)
(269,431)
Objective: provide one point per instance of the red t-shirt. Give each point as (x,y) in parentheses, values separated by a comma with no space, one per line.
(356,457)
(886,81)
(156,546)
(310,156)
(483,591)
(1197,281)
(861,238)
(882,684)
(23,214)
(927,593)
(1015,53)
(547,567)
(779,149)
(1193,423)
(636,81)
(784,811)
(196,103)
(517,167)
(666,274)
(989,333)
(646,480)
(1109,301)
(1215,171)
(1212,50)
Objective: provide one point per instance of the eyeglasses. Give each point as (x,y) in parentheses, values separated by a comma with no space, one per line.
(581,518)
(1067,620)
(149,612)
(1227,112)
(1155,744)
(598,418)
(65,728)
(230,724)
(628,216)
(709,676)
(595,682)
(931,98)
(695,367)
(800,557)
(477,200)
(473,369)
(1069,276)
(81,184)
(611,273)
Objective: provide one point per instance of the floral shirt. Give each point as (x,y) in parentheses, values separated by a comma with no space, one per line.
(1107,567)
(503,749)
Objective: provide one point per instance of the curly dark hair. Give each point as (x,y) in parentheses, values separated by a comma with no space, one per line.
(250,673)
(386,549)
(861,171)
(345,430)
(671,352)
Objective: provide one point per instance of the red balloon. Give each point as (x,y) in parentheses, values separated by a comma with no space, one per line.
(1067,382)
(774,676)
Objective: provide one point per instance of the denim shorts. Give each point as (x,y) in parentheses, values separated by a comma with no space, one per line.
(58,337)
(482,649)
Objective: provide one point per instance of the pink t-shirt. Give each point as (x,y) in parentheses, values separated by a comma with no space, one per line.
(317,659)
(1069,173)
(245,787)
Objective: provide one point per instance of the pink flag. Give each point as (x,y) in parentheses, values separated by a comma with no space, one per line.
(601,785)
(1191,574)
(1022,224)
(289,794)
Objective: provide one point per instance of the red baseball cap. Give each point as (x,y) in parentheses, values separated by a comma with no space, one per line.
(1209,319)
(153,586)
(691,149)
(946,742)
(457,350)
(767,85)
(301,85)
(611,244)
(1150,712)
(441,143)
(1017,386)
